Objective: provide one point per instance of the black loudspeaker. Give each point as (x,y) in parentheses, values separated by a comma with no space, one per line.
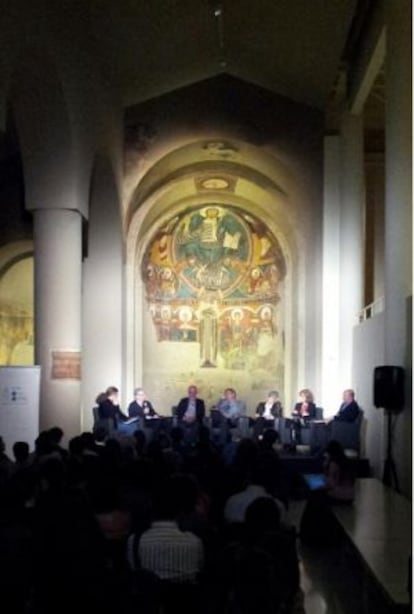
(389,388)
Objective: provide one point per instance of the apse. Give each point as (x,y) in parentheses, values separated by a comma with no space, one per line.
(213,278)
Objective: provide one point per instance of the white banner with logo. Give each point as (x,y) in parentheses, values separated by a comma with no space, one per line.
(19,405)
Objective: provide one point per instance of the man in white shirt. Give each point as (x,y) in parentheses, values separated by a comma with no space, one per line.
(236,505)
(173,555)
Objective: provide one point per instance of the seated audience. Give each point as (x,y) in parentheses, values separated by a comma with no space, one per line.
(317,526)
(340,478)
(165,550)
(266,412)
(6,465)
(21,453)
(259,571)
(258,486)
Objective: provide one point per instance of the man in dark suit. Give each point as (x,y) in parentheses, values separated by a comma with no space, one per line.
(349,409)
(191,409)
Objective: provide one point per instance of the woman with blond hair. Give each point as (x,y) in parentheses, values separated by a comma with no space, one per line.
(303,412)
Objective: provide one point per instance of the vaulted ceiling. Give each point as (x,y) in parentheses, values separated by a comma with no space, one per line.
(292,47)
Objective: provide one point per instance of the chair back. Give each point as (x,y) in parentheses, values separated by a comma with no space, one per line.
(348,433)
(95,412)
(319,413)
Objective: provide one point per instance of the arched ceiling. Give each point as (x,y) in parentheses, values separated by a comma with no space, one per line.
(225,172)
(292,47)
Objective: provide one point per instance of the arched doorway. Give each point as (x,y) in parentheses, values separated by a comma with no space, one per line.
(209,283)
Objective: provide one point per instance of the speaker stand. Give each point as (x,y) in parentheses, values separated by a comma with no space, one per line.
(390,477)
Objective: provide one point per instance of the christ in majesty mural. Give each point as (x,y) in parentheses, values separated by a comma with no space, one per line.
(213,277)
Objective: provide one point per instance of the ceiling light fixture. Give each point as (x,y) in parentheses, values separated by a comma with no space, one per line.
(219,19)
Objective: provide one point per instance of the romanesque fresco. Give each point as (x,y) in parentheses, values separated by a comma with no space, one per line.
(16,314)
(213,276)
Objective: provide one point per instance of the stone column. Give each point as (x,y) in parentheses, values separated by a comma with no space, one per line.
(57,257)
(398,179)
(331,274)
(398,219)
(351,240)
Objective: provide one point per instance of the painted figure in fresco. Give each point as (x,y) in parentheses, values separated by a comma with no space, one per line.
(186,330)
(164,329)
(265,336)
(210,235)
(208,337)
(151,281)
(168,283)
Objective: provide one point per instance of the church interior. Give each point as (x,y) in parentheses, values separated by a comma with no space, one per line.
(215,193)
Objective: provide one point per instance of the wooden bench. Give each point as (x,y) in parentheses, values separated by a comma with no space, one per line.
(378,526)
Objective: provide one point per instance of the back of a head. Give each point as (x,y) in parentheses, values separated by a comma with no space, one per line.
(21,451)
(165,501)
(270,437)
(246,453)
(44,443)
(262,515)
(88,440)
(101,397)
(55,434)
(186,491)
(335,451)
(76,446)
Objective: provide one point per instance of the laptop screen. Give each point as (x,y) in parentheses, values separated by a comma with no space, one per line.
(315,481)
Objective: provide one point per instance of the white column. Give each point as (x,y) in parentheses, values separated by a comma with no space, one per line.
(57,256)
(351,240)
(398,182)
(331,274)
(398,219)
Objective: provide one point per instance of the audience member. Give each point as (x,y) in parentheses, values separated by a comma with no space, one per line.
(318,526)
(258,486)
(21,453)
(164,549)
(340,478)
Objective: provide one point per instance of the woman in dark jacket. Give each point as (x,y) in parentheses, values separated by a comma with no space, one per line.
(108,407)
(303,412)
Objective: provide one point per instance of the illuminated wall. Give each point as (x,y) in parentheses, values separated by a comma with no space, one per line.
(16,314)
(213,278)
